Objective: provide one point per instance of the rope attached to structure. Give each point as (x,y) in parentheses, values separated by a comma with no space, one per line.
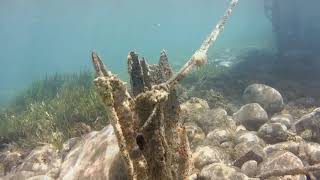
(200,56)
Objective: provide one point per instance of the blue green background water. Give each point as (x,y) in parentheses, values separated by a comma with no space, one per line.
(40,37)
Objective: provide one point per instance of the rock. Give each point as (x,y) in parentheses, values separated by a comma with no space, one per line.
(216,118)
(269,98)
(41,177)
(246,151)
(290,146)
(197,111)
(193,111)
(307,135)
(227,145)
(95,156)
(252,116)
(309,122)
(44,160)
(219,136)
(194,105)
(67,146)
(312,151)
(2,170)
(207,155)
(273,132)
(306,151)
(117,170)
(19,175)
(250,168)
(193,177)
(248,136)
(240,128)
(282,160)
(219,171)
(285,119)
(195,134)
(9,159)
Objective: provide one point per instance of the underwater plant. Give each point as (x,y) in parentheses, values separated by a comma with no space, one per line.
(53,110)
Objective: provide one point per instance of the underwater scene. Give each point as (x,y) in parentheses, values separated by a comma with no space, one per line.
(160,90)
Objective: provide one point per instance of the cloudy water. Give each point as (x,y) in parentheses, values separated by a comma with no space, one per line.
(241,87)
(44,37)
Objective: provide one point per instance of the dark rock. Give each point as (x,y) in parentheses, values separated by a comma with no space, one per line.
(248,151)
(309,122)
(252,116)
(250,155)
(273,132)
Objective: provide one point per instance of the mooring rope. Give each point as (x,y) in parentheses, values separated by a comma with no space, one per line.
(200,56)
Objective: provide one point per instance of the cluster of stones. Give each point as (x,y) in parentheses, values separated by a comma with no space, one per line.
(259,137)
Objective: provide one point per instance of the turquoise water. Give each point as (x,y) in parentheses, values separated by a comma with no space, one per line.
(44,37)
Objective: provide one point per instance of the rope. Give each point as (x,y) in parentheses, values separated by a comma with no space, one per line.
(199,57)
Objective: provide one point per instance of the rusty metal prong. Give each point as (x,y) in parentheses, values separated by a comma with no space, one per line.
(98,65)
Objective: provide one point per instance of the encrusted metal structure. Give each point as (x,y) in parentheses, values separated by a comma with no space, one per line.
(151,135)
